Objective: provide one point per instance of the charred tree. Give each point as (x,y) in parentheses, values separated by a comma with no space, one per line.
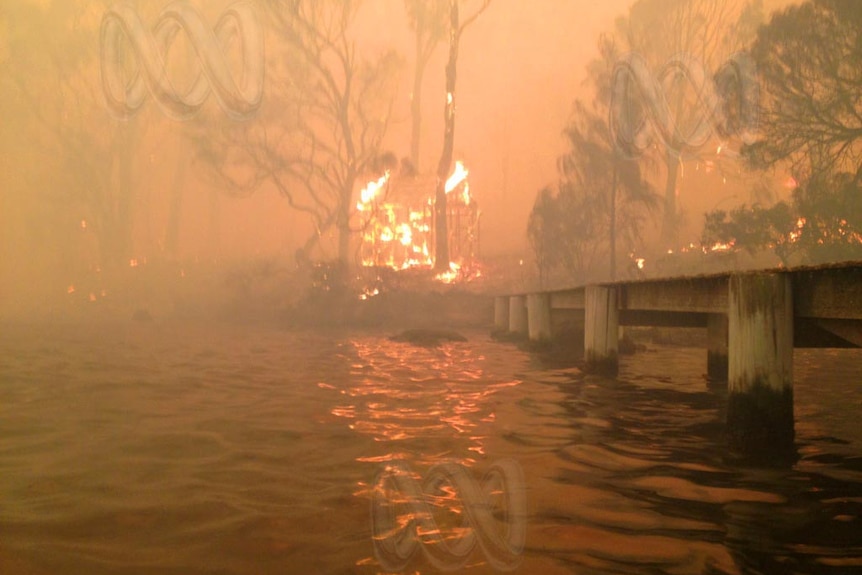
(441,211)
(429,20)
(320,130)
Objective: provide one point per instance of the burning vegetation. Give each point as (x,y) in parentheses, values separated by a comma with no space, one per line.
(397,222)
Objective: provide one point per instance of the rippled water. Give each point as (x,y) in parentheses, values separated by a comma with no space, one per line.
(210,448)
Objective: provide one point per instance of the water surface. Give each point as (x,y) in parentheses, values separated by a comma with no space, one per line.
(185,448)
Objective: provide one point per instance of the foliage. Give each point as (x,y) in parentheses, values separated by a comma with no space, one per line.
(831,208)
(710,31)
(566,231)
(601,198)
(752,229)
(823,223)
(809,58)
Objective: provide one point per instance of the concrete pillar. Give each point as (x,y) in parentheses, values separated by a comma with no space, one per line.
(601,329)
(760,367)
(539,316)
(501,313)
(518,314)
(716,347)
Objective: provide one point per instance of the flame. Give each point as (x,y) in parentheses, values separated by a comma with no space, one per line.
(459,175)
(406,235)
(398,231)
(721,247)
(449,276)
(797,233)
(370,192)
(368,294)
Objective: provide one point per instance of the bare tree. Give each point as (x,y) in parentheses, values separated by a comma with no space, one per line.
(327,113)
(708,31)
(429,20)
(441,232)
(85,176)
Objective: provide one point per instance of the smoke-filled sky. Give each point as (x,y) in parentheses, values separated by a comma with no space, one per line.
(521,66)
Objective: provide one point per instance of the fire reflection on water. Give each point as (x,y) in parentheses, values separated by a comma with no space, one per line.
(423,406)
(421,398)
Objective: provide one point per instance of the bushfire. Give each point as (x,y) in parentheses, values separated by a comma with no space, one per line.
(396,218)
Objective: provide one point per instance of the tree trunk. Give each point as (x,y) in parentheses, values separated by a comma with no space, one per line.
(613,225)
(172,233)
(416,102)
(343,225)
(441,228)
(117,238)
(214,231)
(669,231)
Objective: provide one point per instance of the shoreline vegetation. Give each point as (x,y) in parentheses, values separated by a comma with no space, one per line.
(262,291)
(410,306)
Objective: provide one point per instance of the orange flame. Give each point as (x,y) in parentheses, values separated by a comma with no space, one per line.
(397,232)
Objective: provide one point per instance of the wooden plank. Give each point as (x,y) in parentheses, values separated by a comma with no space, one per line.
(833,292)
(639,317)
(697,294)
(827,333)
(568,299)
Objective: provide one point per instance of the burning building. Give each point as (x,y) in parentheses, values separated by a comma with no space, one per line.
(397,221)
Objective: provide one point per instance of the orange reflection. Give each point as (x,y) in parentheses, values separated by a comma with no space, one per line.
(421,406)
(423,396)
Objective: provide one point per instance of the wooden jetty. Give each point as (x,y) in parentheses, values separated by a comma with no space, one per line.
(753,321)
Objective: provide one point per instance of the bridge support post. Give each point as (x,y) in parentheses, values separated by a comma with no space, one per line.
(501,313)
(539,316)
(760,370)
(716,347)
(601,329)
(518,314)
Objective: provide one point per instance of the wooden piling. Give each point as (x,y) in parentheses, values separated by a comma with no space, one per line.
(518,315)
(716,347)
(760,367)
(539,316)
(601,329)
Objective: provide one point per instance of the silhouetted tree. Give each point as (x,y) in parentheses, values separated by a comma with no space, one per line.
(822,223)
(430,21)
(566,232)
(441,231)
(333,110)
(810,60)
(830,217)
(707,30)
(86,160)
(753,229)
(601,203)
